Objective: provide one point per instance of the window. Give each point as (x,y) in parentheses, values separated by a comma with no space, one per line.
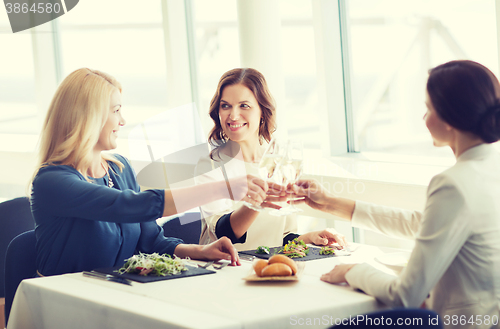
(392,46)
(18,110)
(17,82)
(125,40)
(218,50)
(300,109)
(216,47)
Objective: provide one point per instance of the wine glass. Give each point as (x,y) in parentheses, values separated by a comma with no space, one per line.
(290,168)
(268,166)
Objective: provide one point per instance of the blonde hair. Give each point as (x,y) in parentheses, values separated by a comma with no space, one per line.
(75,118)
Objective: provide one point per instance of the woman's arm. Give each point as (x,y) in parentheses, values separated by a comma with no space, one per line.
(220,249)
(242,219)
(395,222)
(317,197)
(63,192)
(183,199)
(444,230)
(248,188)
(152,240)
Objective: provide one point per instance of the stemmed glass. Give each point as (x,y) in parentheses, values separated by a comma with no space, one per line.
(290,168)
(268,166)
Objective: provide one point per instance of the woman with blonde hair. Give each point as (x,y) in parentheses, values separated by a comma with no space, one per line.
(244,116)
(87,205)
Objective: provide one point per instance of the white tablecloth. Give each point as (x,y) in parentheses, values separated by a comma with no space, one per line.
(220,300)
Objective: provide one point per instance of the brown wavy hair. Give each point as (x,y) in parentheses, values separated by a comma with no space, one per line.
(255,81)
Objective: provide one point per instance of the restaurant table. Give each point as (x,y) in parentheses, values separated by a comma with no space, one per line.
(220,300)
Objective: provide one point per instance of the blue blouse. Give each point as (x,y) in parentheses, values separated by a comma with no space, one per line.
(81,226)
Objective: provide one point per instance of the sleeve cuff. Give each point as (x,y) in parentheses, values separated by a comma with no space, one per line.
(172,245)
(359,214)
(223,228)
(353,275)
(289,237)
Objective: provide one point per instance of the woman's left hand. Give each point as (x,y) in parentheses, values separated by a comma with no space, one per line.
(337,275)
(324,238)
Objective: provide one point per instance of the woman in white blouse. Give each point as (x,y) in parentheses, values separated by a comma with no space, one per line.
(455,264)
(243,112)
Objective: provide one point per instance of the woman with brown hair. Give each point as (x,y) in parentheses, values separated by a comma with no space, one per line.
(454,266)
(87,205)
(244,116)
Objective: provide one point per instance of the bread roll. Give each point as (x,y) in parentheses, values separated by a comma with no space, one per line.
(258,265)
(276,269)
(285,260)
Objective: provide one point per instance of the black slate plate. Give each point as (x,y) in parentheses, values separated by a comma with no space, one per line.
(192,271)
(312,255)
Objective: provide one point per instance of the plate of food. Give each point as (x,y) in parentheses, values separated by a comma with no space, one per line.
(395,261)
(297,250)
(276,268)
(154,267)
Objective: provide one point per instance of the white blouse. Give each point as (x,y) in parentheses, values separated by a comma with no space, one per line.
(266,230)
(456,257)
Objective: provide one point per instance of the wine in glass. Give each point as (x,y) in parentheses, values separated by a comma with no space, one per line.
(292,168)
(268,167)
(288,170)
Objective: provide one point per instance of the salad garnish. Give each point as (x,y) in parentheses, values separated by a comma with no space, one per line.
(153,264)
(295,249)
(327,251)
(262,250)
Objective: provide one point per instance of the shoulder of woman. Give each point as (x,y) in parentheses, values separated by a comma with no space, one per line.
(444,178)
(121,158)
(127,166)
(57,169)
(452,182)
(54,175)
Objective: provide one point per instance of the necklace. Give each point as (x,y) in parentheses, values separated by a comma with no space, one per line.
(110,181)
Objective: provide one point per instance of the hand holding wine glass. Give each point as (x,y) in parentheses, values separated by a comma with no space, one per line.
(268,167)
(290,168)
(293,167)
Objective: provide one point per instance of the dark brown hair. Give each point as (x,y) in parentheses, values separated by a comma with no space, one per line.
(466,95)
(255,81)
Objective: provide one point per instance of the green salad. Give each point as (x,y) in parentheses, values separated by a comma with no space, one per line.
(262,250)
(295,249)
(327,251)
(153,264)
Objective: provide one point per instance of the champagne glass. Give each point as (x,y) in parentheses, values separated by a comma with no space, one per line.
(268,166)
(290,169)
(293,167)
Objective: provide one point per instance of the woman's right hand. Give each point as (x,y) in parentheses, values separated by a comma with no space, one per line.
(317,197)
(249,188)
(312,193)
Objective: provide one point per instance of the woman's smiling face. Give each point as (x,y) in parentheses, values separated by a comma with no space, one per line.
(109,133)
(239,113)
